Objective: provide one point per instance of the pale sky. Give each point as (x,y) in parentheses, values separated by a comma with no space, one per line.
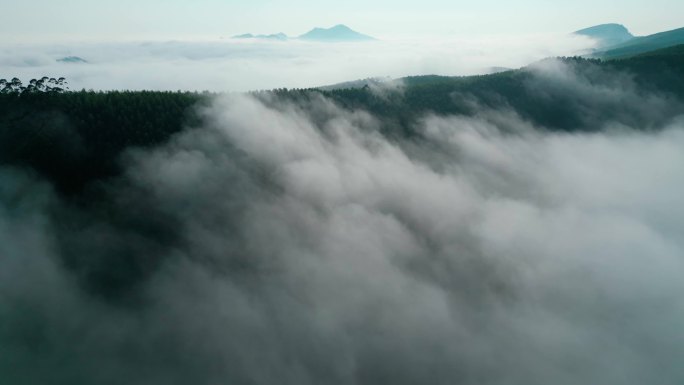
(55,20)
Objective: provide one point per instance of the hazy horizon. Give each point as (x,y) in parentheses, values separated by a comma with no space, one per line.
(175,45)
(173,20)
(245,65)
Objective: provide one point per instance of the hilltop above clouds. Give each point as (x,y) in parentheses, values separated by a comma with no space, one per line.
(338,33)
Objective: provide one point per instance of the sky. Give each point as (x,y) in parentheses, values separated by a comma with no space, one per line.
(186,45)
(49,20)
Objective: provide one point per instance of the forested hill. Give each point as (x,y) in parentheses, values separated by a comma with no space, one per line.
(74,138)
(643,44)
(570,94)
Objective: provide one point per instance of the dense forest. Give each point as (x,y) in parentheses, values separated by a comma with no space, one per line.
(75,137)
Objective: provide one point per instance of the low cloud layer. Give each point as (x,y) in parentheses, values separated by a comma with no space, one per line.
(244,65)
(291,245)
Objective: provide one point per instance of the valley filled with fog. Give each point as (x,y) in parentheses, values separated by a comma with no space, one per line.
(487,209)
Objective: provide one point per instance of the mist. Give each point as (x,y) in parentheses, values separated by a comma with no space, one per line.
(295,244)
(246,65)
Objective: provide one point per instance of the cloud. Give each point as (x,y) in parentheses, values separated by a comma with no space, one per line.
(295,244)
(595,94)
(237,65)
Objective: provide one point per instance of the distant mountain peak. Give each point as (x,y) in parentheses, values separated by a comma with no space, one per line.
(339,32)
(611,27)
(606,34)
(72,59)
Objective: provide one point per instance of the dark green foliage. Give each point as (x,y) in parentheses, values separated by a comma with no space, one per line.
(75,137)
(669,52)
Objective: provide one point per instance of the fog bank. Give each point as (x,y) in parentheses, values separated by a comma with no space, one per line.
(251,64)
(296,245)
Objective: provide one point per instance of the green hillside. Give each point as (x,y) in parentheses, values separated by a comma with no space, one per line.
(677,50)
(644,44)
(576,104)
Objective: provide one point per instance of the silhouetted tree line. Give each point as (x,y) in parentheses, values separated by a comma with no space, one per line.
(44,84)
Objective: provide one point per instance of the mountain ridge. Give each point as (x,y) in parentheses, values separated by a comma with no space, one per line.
(72,59)
(336,33)
(606,35)
(339,32)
